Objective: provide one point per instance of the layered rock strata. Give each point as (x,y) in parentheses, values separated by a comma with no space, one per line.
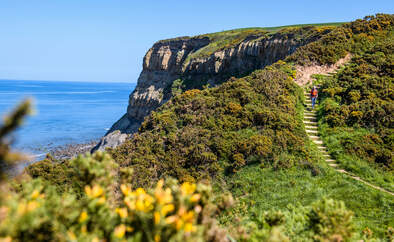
(175,59)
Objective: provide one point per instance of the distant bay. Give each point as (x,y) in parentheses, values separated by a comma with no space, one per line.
(66,112)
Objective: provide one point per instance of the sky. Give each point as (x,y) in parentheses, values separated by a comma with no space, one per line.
(105,41)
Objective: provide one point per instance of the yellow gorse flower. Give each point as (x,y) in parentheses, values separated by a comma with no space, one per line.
(120,231)
(6,239)
(167,209)
(94,192)
(182,220)
(156,217)
(188,188)
(139,200)
(95,239)
(189,228)
(32,205)
(83,217)
(24,207)
(162,196)
(157,238)
(71,236)
(195,198)
(35,194)
(126,190)
(122,212)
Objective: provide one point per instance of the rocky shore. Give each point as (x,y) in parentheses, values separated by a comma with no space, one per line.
(71,150)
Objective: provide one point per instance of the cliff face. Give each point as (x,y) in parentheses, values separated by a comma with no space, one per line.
(169,60)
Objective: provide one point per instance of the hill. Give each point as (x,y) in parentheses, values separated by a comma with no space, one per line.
(245,137)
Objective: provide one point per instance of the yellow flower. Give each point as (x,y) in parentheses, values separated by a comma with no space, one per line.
(95,239)
(157,238)
(6,239)
(129,203)
(195,198)
(178,224)
(139,205)
(162,196)
(84,229)
(35,194)
(101,200)
(188,217)
(32,205)
(120,231)
(122,212)
(71,236)
(126,190)
(83,217)
(129,229)
(97,191)
(171,219)
(167,209)
(159,184)
(94,192)
(21,208)
(140,191)
(156,216)
(189,227)
(188,188)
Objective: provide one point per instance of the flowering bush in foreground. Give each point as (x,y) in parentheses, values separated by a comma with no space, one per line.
(168,212)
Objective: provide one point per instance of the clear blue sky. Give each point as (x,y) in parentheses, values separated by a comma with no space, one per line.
(95,40)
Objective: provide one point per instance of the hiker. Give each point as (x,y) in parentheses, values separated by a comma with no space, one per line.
(314,96)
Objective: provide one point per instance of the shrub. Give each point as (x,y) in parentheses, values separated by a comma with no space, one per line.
(331,221)
(201,133)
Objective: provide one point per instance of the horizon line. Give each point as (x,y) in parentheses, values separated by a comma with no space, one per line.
(8,79)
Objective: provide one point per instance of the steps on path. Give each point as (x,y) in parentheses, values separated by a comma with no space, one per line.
(318,142)
(311,128)
(314,132)
(310,118)
(310,122)
(307,127)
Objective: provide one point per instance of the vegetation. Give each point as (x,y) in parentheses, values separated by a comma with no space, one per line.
(243,139)
(199,134)
(356,112)
(351,37)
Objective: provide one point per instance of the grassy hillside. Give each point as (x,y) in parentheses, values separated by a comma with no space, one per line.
(231,38)
(246,138)
(357,112)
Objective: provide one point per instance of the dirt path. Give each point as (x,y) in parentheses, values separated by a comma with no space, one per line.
(304,73)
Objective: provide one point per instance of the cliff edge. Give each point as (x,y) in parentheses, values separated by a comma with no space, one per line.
(193,62)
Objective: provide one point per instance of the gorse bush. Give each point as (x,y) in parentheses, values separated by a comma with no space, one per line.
(168,212)
(11,122)
(361,97)
(330,221)
(351,37)
(200,134)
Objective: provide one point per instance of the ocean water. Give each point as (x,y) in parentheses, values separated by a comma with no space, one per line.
(66,112)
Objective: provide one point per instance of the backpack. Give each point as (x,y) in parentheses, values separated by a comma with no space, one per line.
(314,92)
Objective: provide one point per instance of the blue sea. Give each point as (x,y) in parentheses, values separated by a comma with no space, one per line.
(65,112)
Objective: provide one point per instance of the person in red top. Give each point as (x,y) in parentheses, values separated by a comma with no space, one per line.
(314,94)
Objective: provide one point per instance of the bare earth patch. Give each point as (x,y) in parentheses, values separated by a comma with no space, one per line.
(304,72)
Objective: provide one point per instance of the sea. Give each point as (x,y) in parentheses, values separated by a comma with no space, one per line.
(65,112)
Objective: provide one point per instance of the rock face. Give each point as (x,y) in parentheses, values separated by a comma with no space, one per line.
(173,59)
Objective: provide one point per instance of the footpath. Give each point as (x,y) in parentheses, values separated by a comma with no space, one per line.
(311,128)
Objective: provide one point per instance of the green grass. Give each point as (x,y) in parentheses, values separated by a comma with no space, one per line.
(371,172)
(278,28)
(230,38)
(224,40)
(262,189)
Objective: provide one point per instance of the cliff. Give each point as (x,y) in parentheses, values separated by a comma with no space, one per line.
(197,61)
